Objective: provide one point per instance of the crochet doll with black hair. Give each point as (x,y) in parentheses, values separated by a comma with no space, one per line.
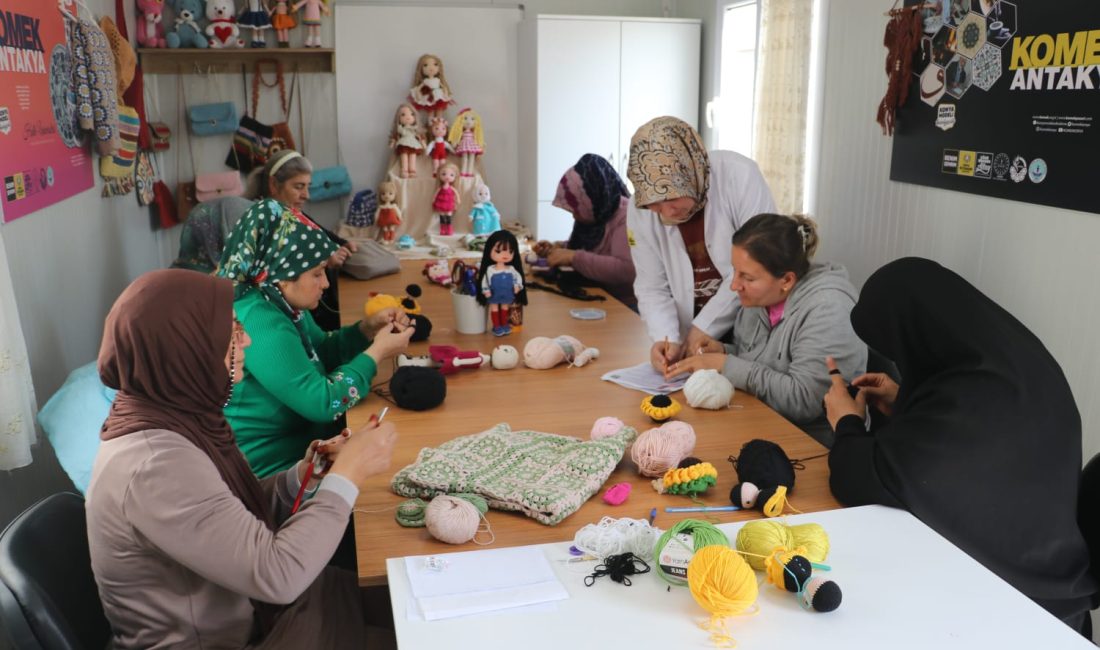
(500,279)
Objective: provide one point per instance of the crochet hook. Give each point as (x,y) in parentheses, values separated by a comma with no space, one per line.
(701,508)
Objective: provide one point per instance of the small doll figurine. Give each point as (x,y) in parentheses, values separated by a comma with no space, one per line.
(484,217)
(500,279)
(388,216)
(282,21)
(446,198)
(439,146)
(430,92)
(407,139)
(468,139)
(254,16)
(311,18)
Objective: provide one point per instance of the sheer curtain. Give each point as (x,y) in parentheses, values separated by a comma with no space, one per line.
(17,404)
(782,95)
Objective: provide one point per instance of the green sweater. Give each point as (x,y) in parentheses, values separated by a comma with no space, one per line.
(286,400)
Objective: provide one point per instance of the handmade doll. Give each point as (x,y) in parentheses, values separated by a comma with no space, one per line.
(254,16)
(468,139)
(430,92)
(388,216)
(407,139)
(500,279)
(446,198)
(439,146)
(311,18)
(484,217)
(282,21)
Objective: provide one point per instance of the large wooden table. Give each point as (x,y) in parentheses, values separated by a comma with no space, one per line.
(564,400)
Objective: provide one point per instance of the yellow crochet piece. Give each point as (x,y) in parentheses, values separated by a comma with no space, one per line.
(689,480)
(660,407)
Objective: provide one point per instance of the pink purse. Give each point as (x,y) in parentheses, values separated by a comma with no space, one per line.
(215,186)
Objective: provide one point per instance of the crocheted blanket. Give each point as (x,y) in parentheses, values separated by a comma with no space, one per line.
(544,475)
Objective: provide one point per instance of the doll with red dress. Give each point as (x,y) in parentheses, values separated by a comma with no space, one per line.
(500,280)
(468,139)
(439,146)
(430,92)
(446,198)
(407,139)
(388,215)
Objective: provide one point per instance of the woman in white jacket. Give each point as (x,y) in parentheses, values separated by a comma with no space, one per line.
(687,205)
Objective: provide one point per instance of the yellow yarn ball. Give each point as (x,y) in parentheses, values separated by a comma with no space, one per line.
(721,582)
(761,538)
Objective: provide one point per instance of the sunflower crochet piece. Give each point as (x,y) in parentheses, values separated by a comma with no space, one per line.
(660,408)
(694,479)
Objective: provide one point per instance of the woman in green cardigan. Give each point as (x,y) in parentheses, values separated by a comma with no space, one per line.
(298,379)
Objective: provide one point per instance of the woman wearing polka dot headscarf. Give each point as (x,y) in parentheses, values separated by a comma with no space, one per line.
(298,379)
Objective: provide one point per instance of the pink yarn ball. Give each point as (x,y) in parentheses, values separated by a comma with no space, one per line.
(606,427)
(658,450)
(452,520)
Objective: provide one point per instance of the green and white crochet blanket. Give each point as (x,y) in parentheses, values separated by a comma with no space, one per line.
(544,475)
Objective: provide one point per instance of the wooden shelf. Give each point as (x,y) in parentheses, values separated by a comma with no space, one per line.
(194,61)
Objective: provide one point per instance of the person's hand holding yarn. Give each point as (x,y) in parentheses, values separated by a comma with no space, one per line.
(385,319)
(705,361)
(326,449)
(881,391)
(838,401)
(388,343)
(367,452)
(561,257)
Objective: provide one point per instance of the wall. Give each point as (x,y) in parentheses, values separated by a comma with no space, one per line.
(1037,262)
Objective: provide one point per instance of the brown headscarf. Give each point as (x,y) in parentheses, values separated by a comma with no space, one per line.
(163,349)
(668,161)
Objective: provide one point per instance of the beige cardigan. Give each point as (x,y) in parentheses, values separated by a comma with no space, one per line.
(177,556)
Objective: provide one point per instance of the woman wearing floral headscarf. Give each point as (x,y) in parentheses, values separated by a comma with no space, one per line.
(687,205)
(594,194)
(298,379)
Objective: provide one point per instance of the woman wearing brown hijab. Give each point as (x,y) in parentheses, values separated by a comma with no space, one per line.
(189,549)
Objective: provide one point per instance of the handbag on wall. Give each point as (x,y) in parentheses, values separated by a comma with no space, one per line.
(165,205)
(218,185)
(213,119)
(329,183)
(251,142)
(185,199)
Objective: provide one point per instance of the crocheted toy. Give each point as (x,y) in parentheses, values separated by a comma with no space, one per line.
(222,30)
(379,301)
(693,479)
(438,272)
(451,359)
(187,31)
(506,357)
(484,217)
(405,242)
(541,352)
(765,474)
(660,408)
(149,23)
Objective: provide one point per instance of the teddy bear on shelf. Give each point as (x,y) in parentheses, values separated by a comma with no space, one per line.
(186,31)
(223,31)
(150,23)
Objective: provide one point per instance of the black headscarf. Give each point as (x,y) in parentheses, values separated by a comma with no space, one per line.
(594,193)
(984,444)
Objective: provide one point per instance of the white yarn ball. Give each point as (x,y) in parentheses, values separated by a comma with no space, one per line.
(605,427)
(452,520)
(505,357)
(708,389)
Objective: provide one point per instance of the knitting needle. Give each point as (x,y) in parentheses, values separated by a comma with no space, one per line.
(701,508)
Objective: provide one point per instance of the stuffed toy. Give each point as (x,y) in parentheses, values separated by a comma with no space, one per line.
(541,352)
(405,242)
(422,324)
(438,272)
(150,25)
(505,357)
(222,30)
(451,359)
(187,31)
(765,474)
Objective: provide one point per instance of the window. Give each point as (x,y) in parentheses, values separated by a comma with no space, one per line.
(734,123)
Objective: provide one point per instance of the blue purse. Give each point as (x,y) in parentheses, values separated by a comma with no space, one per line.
(329,183)
(213,119)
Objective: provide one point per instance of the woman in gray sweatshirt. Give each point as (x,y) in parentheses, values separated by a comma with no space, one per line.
(792,314)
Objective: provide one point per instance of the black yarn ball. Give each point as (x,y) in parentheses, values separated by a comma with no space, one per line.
(822,595)
(688,462)
(796,574)
(418,389)
(422,328)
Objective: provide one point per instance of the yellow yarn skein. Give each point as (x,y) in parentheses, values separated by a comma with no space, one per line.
(762,537)
(723,584)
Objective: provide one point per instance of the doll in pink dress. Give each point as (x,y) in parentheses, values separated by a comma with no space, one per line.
(388,215)
(439,146)
(407,139)
(446,198)
(430,92)
(311,18)
(468,139)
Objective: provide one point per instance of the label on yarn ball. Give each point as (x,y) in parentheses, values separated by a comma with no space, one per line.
(676,556)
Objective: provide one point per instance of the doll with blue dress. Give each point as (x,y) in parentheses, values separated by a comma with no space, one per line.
(484,217)
(500,279)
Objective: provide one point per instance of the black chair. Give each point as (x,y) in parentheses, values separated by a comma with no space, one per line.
(1088,511)
(48,596)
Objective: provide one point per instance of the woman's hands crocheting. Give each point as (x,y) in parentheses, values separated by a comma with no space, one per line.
(384,319)
(366,452)
(706,361)
(327,450)
(391,340)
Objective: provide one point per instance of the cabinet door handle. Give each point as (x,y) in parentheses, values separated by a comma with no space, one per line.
(622,170)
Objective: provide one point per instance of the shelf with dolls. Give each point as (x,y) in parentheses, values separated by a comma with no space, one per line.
(204,61)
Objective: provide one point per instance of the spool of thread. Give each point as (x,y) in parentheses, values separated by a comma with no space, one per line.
(702,533)
(762,537)
(605,427)
(723,584)
(708,389)
(451,519)
(660,449)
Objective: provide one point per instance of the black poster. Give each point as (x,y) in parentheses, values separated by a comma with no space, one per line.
(1004,101)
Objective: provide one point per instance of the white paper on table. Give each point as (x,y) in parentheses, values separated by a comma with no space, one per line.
(644,377)
(413,613)
(534,596)
(478,571)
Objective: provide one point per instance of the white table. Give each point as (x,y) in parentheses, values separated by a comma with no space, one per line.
(904,586)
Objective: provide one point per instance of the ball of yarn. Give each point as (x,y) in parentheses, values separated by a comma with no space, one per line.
(418,389)
(476,500)
(708,389)
(541,352)
(505,357)
(605,427)
(762,537)
(702,533)
(451,519)
(662,448)
(721,582)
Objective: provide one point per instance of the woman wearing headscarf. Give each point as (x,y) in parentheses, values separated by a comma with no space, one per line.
(983,438)
(687,205)
(597,249)
(205,231)
(188,548)
(298,380)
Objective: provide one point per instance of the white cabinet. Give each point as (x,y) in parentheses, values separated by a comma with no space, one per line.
(592,82)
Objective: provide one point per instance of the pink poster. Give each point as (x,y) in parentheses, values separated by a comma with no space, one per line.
(43,157)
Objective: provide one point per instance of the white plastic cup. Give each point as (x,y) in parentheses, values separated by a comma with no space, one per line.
(470,317)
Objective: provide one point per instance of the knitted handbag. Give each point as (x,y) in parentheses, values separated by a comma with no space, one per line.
(251,142)
(120,164)
(329,183)
(213,119)
(215,186)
